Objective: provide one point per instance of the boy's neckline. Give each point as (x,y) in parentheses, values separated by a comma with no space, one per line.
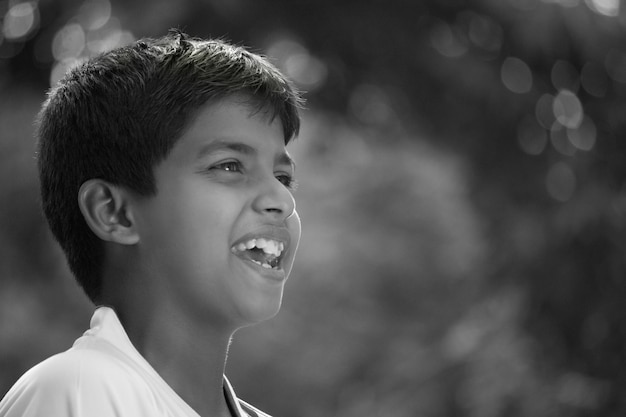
(106,326)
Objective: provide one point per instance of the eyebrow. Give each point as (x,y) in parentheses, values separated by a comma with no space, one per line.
(241,148)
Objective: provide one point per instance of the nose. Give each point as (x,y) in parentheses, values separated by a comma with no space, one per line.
(274,200)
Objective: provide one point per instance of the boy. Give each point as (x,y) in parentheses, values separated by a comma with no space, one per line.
(165,179)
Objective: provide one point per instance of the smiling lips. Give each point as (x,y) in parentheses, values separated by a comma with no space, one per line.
(262,251)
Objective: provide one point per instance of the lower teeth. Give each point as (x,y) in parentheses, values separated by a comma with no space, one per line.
(266,266)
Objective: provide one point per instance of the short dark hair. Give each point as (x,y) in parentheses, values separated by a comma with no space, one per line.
(120,113)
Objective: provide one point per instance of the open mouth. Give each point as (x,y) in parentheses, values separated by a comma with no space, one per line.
(262,251)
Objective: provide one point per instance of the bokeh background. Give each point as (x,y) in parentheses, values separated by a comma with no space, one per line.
(462,188)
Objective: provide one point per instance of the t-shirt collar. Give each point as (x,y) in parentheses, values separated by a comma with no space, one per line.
(106,325)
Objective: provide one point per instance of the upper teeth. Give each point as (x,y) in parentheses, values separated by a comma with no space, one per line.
(269,246)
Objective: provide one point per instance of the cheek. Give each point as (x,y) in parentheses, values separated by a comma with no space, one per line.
(182,224)
(207,224)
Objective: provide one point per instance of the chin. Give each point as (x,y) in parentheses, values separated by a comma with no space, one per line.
(260,313)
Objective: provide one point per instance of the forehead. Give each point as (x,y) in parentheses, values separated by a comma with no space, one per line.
(234,124)
(233,110)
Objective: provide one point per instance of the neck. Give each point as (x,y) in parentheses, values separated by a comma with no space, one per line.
(188,352)
(190,359)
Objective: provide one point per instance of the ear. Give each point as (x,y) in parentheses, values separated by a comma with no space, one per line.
(106,210)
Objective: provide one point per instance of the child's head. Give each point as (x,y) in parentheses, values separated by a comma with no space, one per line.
(118,115)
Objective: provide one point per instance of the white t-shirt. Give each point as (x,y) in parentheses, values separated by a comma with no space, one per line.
(102,375)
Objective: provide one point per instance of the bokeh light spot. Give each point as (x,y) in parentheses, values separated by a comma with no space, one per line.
(61,67)
(485,32)
(594,79)
(445,41)
(370,105)
(531,136)
(20,20)
(604,7)
(306,70)
(615,63)
(560,141)
(69,42)
(564,3)
(568,109)
(561,182)
(584,137)
(108,37)
(516,75)
(580,391)
(94,14)
(544,112)
(564,76)
(298,63)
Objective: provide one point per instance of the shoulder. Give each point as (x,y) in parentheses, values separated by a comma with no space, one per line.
(77,370)
(73,383)
(251,411)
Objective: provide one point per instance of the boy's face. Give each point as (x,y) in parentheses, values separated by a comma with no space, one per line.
(220,236)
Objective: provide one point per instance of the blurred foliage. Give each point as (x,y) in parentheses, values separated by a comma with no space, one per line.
(462,191)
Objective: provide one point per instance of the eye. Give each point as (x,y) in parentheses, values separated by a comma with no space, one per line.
(229,166)
(287,180)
